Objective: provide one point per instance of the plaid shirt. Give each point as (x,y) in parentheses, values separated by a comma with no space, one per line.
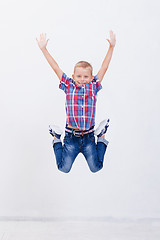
(80,101)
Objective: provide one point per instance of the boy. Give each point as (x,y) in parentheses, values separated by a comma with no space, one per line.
(81,95)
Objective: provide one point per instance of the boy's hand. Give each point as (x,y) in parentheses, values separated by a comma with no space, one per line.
(107,59)
(112,40)
(42,45)
(43,42)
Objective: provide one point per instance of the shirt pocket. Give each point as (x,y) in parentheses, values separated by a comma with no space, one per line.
(90,97)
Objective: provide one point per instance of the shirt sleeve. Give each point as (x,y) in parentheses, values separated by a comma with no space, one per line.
(65,81)
(97,84)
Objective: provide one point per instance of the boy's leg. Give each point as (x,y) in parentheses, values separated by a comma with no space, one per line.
(66,154)
(102,144)
(94,153)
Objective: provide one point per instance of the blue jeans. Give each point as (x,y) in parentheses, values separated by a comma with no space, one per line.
(73,145)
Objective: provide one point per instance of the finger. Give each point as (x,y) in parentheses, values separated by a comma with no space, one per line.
(37,40)
(42,36)
(108,40)
(112,33)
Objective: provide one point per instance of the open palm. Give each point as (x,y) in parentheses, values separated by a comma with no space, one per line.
(42,43)
(112,40)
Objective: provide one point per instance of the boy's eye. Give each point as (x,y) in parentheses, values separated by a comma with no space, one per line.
(86,76)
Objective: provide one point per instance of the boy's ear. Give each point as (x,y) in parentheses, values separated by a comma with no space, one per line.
(73,76)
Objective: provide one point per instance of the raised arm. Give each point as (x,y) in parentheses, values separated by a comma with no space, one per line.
(108,56)
(42,43)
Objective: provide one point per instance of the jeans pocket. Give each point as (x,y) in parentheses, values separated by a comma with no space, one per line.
(67,137)
(91,136)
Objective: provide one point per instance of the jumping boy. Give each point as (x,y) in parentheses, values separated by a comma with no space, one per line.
(81,95)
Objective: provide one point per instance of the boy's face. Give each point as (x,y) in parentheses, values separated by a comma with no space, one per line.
(82,75)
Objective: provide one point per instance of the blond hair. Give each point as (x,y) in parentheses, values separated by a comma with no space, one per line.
(83,64)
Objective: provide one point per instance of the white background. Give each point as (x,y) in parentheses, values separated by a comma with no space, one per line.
(30,100)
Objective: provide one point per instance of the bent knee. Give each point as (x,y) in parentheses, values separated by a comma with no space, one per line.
(65,170)
(96,169)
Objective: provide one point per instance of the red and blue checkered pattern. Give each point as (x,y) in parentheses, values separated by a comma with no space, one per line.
(80,101)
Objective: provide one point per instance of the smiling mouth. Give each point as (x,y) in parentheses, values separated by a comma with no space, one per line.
(81,83)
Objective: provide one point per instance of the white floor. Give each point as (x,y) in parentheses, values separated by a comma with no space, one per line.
(79,230)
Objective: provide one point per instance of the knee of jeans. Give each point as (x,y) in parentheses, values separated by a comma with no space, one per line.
(93,170)
(96,169)
(65,170)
